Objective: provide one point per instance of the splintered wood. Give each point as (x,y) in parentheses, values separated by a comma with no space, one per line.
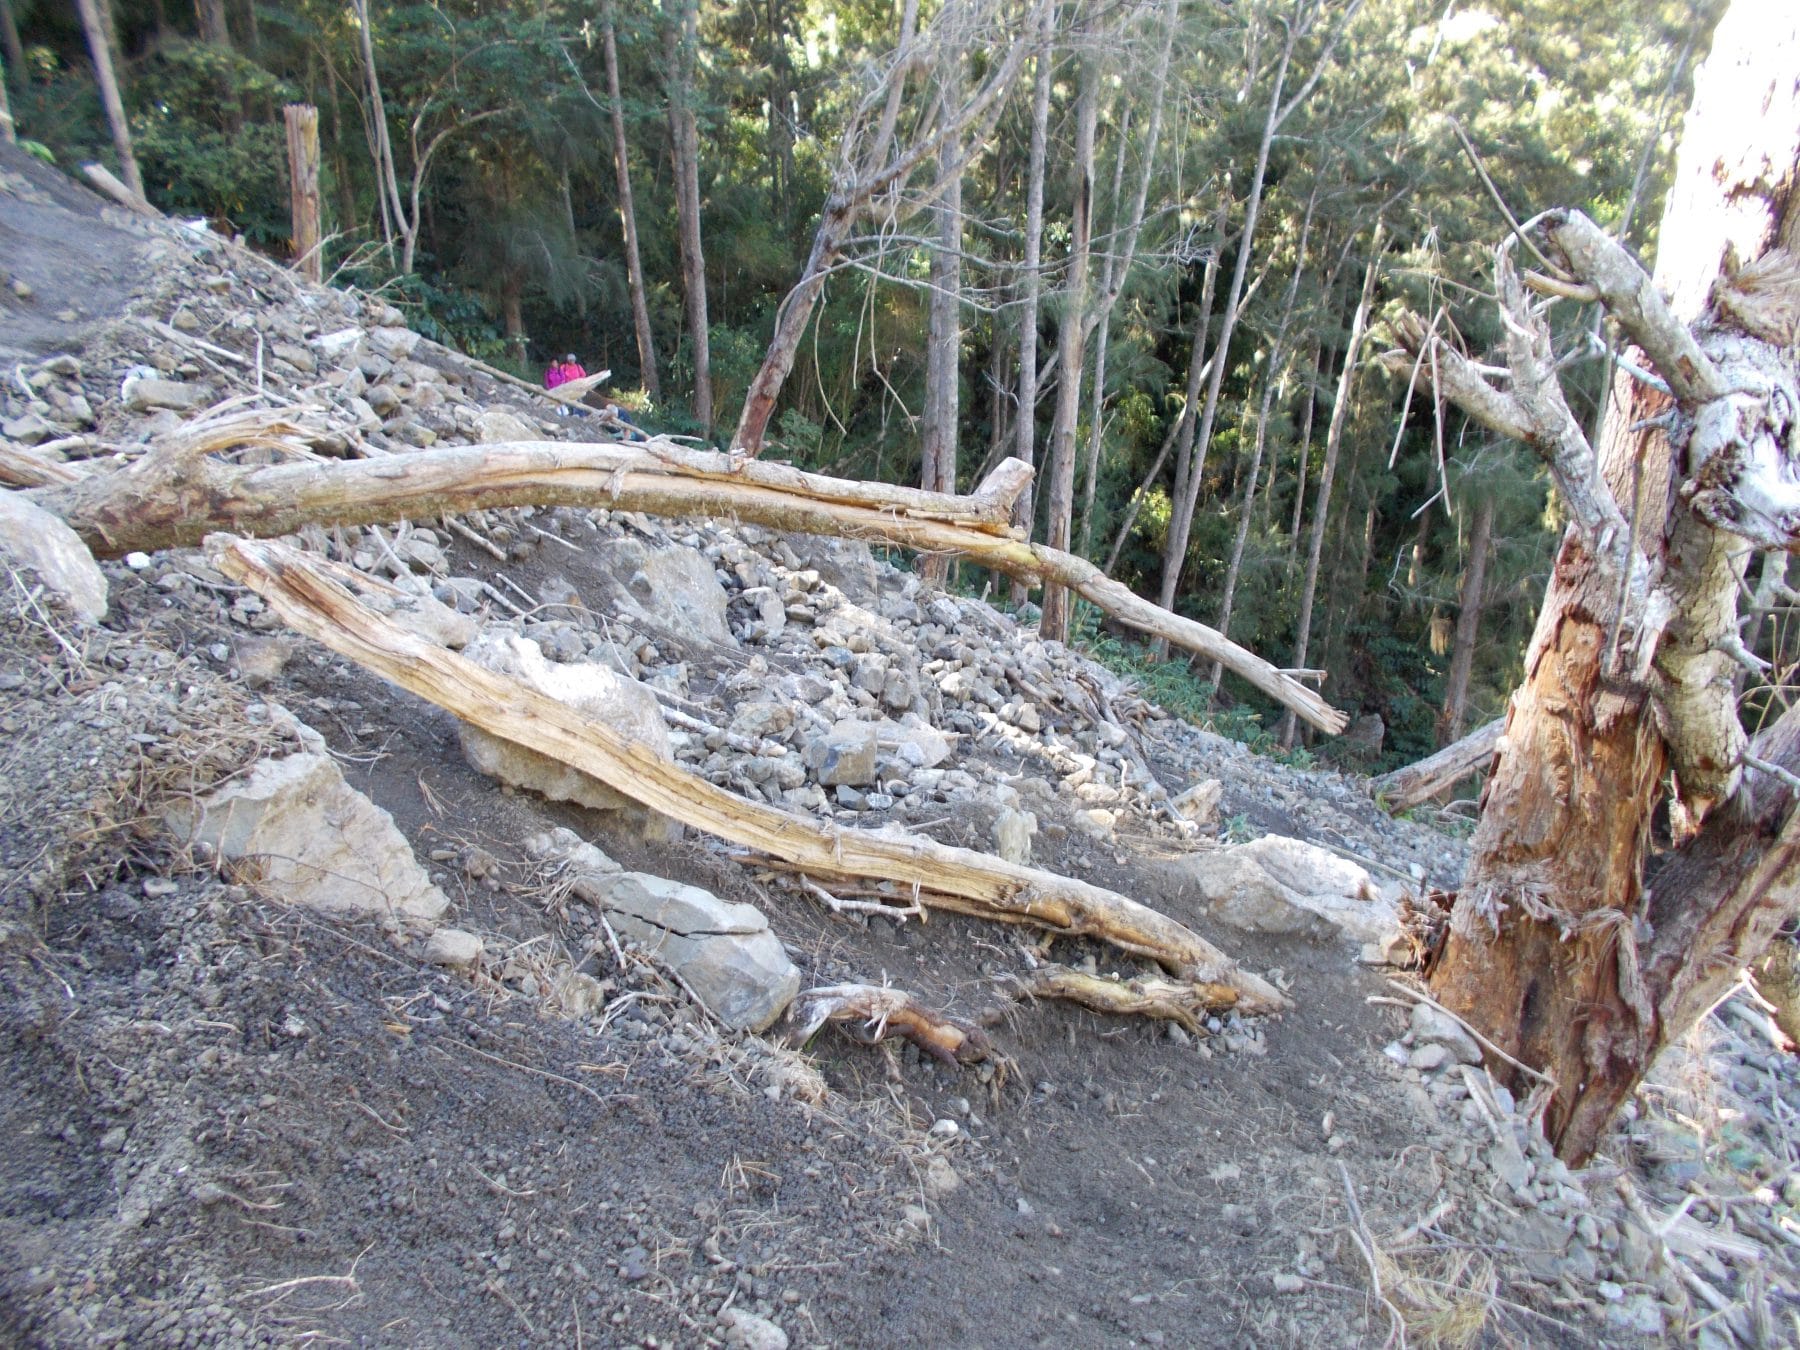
(871,1012)
(1183,1002)
(943,877)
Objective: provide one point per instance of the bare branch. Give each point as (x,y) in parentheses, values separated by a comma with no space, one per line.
(1631,297)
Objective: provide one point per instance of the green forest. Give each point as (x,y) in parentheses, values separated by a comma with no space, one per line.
(1151,246)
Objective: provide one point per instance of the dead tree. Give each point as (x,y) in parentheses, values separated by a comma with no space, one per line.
(873,173)
(1577,944)
(181,491)
(634,267)
(99,41)
(681,40)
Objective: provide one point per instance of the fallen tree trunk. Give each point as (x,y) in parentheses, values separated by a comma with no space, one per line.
(178,493)
(1406,787)
(943,877)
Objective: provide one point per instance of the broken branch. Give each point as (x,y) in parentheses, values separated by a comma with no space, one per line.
(948,878)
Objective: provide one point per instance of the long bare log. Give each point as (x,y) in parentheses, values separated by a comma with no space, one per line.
(1407,787)
(176,495)
(945,877)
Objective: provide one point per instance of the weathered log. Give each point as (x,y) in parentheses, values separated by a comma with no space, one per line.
(1406,787)
(177,494)
(872,1012)
(1181,1002)
(944,877)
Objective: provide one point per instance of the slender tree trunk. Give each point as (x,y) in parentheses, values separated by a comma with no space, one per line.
(1468,624)
(7,133)
(1188,500)
(302,120)
(512,312)
(1116,270)
(867,172)
(394,220)
(93,23)
(1181,435)
(634,267)
(943,363)
(1310,401)
(1273,377)
(252,32)
(681,42)
(1334,440)
(12,48)
(1567,947)
(1054,623)
(1031,281)
(213,27)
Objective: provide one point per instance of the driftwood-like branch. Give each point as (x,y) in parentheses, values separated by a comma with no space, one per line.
(1458,378)
(1632,299)
(872,1012)
(176,495)
(947,878)
(1407,787)
(1181,1002)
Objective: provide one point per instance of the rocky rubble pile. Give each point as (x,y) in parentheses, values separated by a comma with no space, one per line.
(824,679)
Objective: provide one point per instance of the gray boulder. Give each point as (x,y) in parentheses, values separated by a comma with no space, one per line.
(1278,885)
(845,755)
(33,538)
(672,588)
(725,951)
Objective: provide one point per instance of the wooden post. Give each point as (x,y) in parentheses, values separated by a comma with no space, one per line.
(303,187)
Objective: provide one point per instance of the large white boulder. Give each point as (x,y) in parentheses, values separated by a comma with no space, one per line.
(1280,885)
(299,831)
(30,537)
(597,692)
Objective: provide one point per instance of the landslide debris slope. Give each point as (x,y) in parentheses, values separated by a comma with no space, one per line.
(240,1115)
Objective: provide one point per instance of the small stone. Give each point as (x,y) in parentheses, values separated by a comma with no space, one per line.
(113,1141)
(746,1331)
(22,288)
(147,395)
(453,947)
(1425,1058)
(1286,1282)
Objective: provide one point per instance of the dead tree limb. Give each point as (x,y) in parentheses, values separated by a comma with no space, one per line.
(1407,787)
(947,878)
(177,494)
(871,1012)
(1181,1002)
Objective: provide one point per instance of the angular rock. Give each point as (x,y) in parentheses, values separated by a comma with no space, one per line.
(672,587)
(453,947)
(1013,831)
(725,951)
(27,429)
(394,343)
(845,755)
(747,1331)
(1432,1027)
(496,424)
(311,839)
(143,394)
(33,538)
(1278,885)
(596,692)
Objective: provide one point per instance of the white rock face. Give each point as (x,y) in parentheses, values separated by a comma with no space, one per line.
(312,839)
(596,692)
(33,538)
(1278,885)
(673,588)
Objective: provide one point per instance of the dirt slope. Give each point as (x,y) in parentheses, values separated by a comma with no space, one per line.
(234,1123)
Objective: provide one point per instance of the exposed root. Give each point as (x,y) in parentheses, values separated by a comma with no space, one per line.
(1181,1002)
